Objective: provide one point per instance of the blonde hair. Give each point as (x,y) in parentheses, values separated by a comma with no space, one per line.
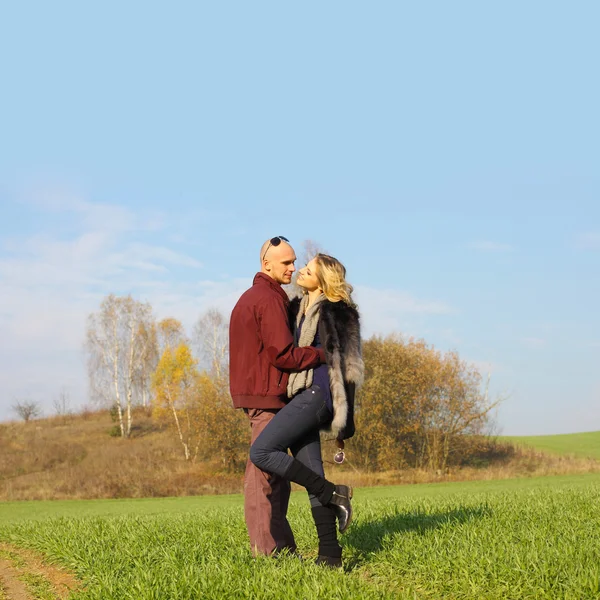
(331,275)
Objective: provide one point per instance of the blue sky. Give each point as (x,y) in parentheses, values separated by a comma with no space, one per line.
(447,153)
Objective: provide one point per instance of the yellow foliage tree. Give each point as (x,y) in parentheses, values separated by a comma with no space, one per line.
(226,430)
(416,405)
(176,401)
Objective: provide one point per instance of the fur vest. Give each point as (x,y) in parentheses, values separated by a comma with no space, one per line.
(339,332)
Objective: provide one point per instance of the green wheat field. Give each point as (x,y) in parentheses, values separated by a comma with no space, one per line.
(584,445)
(524,538)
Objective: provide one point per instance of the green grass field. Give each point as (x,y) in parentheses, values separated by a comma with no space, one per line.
(527,538)
(585,445)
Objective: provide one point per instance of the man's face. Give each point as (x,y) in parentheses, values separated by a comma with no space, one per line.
(279,263)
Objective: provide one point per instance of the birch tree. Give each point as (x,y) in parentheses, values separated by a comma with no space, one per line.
(211,337)
(116,349)
(148,360)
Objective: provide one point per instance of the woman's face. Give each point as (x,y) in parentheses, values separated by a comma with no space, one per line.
(307,276)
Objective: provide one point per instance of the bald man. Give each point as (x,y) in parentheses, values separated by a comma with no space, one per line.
(262,354)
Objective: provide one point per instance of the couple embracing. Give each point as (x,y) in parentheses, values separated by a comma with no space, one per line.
(294,368)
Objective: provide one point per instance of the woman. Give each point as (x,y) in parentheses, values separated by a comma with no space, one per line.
(321,399)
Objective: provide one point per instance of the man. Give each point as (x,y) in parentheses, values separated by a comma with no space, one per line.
(261,355)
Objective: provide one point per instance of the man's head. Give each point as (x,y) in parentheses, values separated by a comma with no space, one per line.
(277,260)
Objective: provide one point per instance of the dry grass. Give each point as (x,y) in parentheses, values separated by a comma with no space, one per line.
(524,463)
(77,458)
(53,459)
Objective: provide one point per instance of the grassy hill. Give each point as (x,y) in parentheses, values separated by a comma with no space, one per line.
(585,445)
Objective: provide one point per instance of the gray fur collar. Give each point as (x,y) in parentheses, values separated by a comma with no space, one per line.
(339,331)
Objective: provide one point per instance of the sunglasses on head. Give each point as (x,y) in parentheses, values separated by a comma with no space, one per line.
(275,241)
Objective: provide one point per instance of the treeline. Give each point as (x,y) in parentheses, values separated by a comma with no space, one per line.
(135,360)
(418,407)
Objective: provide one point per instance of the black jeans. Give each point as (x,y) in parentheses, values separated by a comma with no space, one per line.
(296,426)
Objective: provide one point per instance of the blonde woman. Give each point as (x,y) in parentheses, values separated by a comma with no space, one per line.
(320,399)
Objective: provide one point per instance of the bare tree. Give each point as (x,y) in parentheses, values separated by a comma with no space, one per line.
(27,409)
(211,338)
(62,404)
(115,350)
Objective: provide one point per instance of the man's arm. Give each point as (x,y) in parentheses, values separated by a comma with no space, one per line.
(278,341)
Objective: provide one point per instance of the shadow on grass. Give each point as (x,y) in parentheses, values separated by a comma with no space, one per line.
(369,537)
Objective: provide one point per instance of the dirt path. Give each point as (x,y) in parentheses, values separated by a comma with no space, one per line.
(16,563)
(11,587)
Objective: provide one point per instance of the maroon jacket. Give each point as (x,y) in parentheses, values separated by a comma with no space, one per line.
(261,347)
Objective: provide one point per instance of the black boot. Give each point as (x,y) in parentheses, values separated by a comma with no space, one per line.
(330,552)
(315,484)
(336,496)
(340,503)
(329,561)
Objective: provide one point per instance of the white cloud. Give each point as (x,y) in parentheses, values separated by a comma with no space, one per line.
(489,246)
(137,255)
(385,311)
(91,215)
(50,283)
(588,241)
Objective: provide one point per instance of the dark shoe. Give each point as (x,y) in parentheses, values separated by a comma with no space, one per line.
(333,562)
(340,502)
